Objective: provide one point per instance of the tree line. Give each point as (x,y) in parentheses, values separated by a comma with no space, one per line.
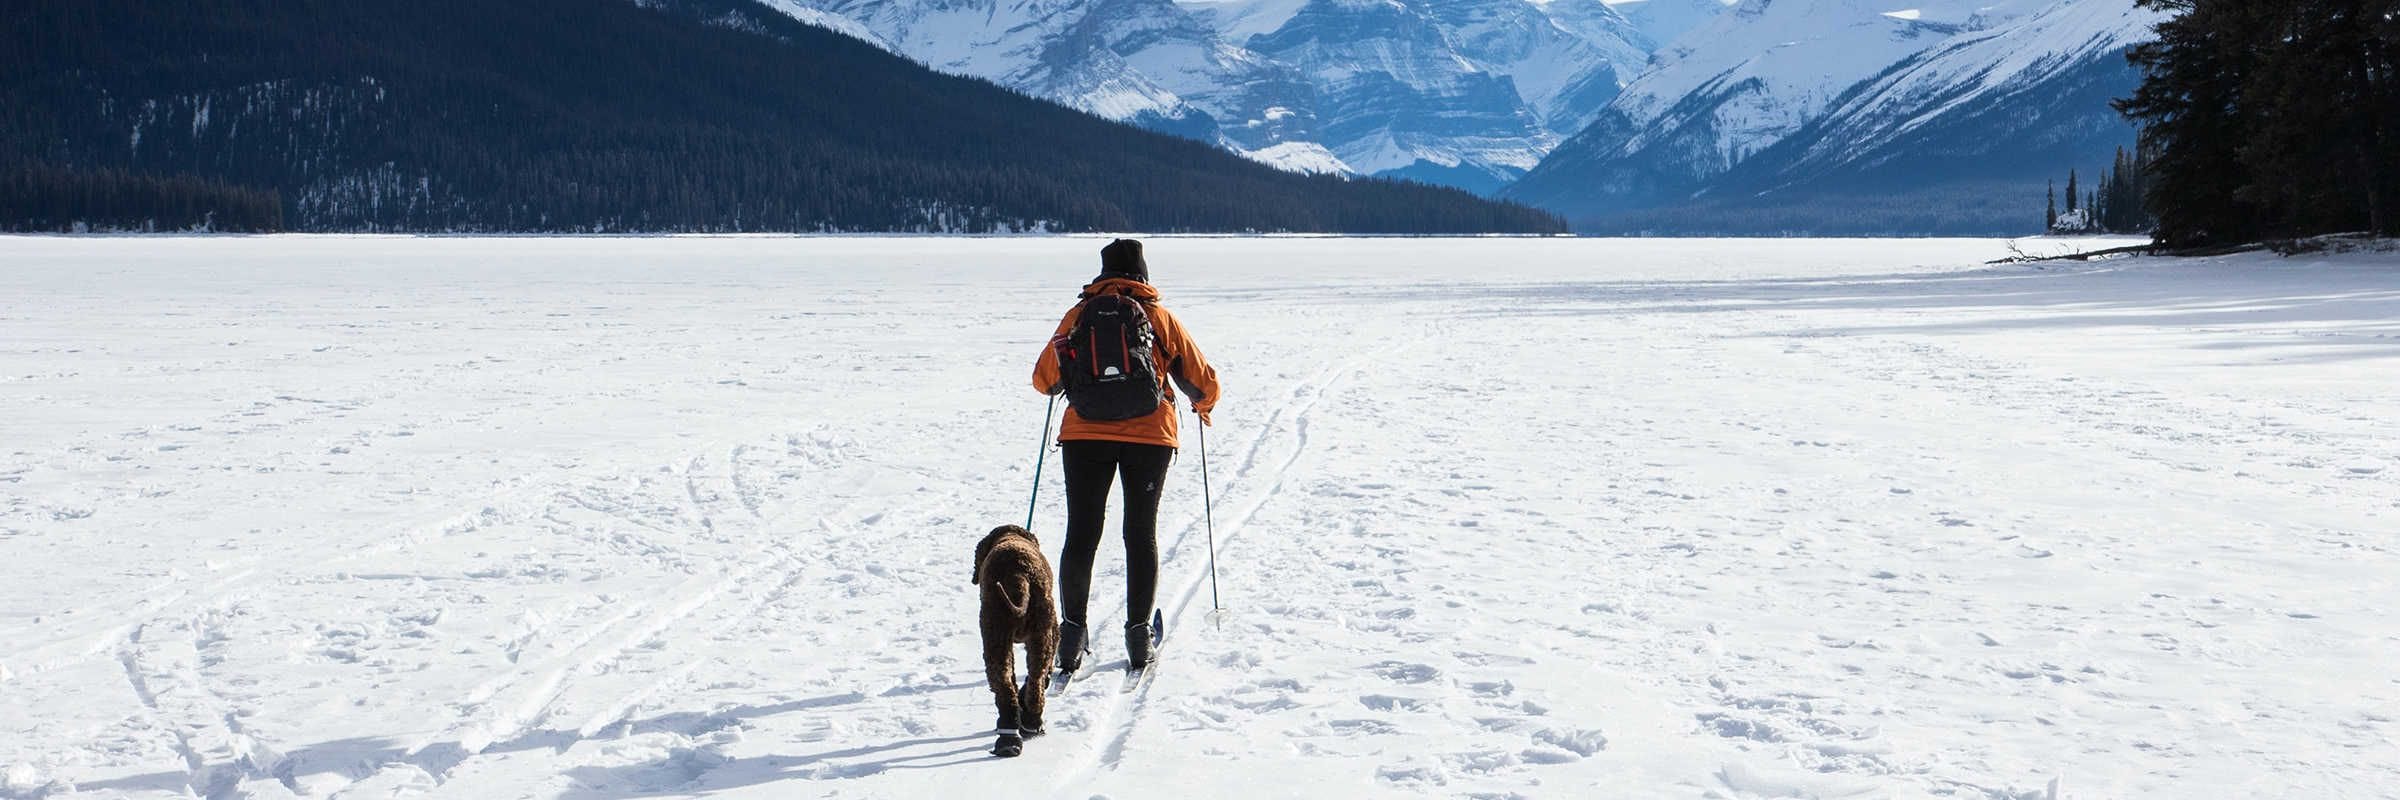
(2270,119)
(39,198)
(595,116)
(2113,204)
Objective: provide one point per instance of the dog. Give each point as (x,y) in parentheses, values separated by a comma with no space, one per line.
(1017,608)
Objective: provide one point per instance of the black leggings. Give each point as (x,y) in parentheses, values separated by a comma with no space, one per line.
(1091,466)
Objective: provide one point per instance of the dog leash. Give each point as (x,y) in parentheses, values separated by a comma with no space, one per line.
(1038,456)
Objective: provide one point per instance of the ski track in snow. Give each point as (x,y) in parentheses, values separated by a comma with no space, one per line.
(1118,722)
(388,517)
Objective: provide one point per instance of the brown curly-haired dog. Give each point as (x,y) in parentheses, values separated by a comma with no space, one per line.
(1017,607)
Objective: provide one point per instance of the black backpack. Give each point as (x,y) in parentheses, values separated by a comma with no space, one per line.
(1106,360)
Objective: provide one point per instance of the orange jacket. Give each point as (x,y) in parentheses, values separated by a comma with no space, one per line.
(1177,356)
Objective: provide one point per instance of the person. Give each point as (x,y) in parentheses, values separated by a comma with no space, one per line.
(1137,449)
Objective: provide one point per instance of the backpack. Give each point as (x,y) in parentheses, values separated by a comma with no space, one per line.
(1107,362)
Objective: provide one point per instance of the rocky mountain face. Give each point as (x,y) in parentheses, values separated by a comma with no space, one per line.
(1664,21)
(1788,102)
(1468,93)
(1645,110)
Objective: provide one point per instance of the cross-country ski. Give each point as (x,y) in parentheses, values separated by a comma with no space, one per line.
(1137,676)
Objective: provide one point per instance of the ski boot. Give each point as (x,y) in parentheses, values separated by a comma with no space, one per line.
(1138,646)
(1071,647)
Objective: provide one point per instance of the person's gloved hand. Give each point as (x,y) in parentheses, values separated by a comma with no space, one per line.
(1203,412)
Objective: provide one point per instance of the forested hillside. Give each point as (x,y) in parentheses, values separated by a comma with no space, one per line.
(594,115)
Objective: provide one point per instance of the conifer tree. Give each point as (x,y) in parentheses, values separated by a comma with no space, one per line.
(2050,217)
(2268,118)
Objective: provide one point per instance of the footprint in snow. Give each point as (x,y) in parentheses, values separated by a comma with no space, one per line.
(1404,672)
(1406,774)
(1731,727)
(1362,727)
(1491,688)
(1581,742)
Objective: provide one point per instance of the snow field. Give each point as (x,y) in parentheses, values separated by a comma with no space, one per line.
(587,518)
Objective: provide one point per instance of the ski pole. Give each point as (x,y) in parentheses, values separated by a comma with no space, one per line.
(1038,456)
(1209,513)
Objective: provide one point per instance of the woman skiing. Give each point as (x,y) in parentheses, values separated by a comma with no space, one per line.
(1113,356)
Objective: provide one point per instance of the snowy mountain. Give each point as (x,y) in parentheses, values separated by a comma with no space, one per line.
(1589,107)
(2029,71)
(1567,58)
(1141,61)
(1664,21)
(1794,97)
(1747,79)
(1463,92)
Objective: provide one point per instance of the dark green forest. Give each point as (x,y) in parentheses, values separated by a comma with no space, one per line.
(2270,119)
(592,116)
(2112,204)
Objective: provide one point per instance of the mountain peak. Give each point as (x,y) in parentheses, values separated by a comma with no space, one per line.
(1464,92)
(1783,100)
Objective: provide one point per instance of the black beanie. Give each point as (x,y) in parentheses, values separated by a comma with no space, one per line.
(1122,258)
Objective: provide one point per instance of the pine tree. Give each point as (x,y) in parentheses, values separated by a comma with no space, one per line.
(2113,199)
(2268,118)
(2382,86)
(2070,191)
(2189,109)
(2099,205)
(2050,217)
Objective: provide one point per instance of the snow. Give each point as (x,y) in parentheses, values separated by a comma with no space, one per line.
(1977,65)
(585,518)
(1300,157)
(1762,70)
(1664,21)
(1239,20)
(833,22)
(1495,82)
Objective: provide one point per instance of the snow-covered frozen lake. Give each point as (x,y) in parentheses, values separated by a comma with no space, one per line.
(598,518)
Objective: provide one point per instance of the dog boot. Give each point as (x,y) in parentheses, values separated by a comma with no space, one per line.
(1137,645)
(1070,647)
(1031,726)
(1012,740)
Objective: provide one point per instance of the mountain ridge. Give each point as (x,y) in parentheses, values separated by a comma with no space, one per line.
(1989,101)
(1464,92)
